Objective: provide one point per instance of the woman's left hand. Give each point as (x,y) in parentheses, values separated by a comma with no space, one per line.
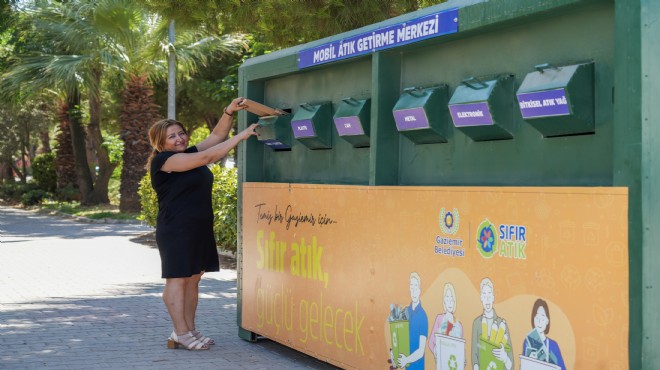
(235,105)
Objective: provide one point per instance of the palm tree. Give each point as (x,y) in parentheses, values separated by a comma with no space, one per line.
(69,54)
(146,54)
(144,51)
(90,40)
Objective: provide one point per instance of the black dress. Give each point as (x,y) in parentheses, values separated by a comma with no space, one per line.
(184,227)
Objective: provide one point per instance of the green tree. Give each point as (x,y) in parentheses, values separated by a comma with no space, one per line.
(19,123)
(68,51)
(146,50)
(284,23)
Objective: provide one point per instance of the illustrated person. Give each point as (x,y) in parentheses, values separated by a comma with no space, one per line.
(489,319)
(446,323)
(537,344)
(418,328)
(184,225)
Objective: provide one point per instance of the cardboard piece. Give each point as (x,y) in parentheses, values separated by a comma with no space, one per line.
(260,109)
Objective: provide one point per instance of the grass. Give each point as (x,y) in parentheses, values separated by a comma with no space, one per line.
(93,212)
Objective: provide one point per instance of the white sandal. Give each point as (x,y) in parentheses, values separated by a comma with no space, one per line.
(187,341)
(201,338)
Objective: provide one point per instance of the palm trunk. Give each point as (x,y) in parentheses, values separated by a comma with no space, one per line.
(84,177)
(96,139)
(67,184)
(138,113)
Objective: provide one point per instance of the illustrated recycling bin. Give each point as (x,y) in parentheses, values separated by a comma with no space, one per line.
(400,336)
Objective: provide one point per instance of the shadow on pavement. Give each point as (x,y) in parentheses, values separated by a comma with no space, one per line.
(128,329)
(107,323)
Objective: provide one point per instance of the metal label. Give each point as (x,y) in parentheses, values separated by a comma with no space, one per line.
(348,126)
(411,119)
(547,103)
(303,128)
(473,114)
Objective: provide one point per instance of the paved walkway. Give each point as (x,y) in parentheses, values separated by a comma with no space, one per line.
(86,296)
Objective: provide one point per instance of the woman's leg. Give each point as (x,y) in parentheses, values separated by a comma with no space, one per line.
(191,299)
(174,297)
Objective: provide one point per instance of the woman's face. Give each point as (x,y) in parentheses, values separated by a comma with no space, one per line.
(541,319)
(450,304)
(176,139)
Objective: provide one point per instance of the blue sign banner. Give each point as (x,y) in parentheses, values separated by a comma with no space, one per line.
(426,27)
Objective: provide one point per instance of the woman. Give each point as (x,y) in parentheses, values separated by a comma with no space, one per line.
(446,323)
(184,226)
(537,344)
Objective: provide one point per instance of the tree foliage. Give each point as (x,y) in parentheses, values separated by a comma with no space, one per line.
(20,125)
(284,23)
(84,52)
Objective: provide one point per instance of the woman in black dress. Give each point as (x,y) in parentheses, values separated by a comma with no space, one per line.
(184,226)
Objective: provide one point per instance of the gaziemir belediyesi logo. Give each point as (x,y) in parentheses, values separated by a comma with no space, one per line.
(449,221)
(447,246)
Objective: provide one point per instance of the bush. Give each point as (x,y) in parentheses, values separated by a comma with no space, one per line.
(44,172)
(13,192)
(34,197)
(68,193)
(148,200)
(225,205)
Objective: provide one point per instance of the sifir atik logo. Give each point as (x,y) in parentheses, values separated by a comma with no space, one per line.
(505,240)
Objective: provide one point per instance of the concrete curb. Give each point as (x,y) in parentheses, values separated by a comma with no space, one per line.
(88,220)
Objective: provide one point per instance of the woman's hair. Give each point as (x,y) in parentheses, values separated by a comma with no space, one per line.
(449,287)
(158,135)
(541,303)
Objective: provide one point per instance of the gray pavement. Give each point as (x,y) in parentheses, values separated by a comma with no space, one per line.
(78,295)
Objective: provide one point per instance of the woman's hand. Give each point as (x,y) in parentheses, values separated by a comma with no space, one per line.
(235,106)
(250,131)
